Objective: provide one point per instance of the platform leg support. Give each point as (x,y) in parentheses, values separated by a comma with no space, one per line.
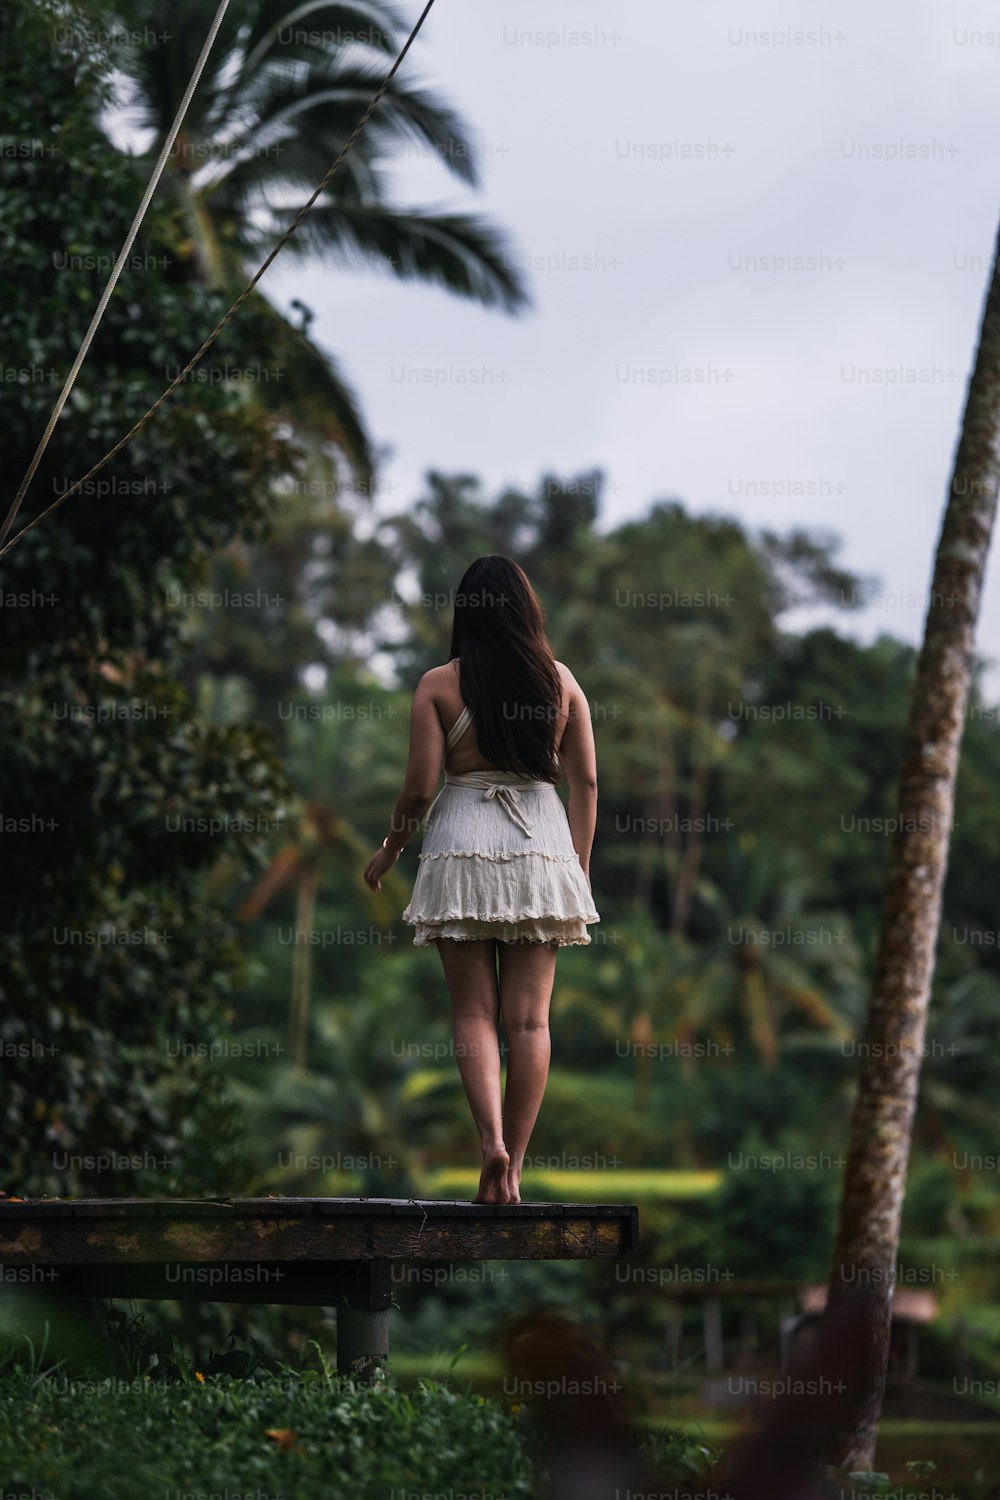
(363,1324)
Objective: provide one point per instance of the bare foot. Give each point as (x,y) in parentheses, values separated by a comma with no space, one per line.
(514,1183)
(493,1178)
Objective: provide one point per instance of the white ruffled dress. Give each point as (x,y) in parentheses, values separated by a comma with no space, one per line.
(497,861)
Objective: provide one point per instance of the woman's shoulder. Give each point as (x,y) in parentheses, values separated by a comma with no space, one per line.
(446,676)
(574,700)
(440,683)
(447,672)
(567,677)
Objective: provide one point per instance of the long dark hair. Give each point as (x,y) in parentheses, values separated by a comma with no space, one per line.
(507,673)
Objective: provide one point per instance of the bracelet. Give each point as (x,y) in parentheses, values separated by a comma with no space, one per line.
(385,843)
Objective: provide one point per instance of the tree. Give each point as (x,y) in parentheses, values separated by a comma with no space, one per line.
(437,537)
(310,597)
(119,967)
(882,1121)
(321,834)
(285,86)
(773,956)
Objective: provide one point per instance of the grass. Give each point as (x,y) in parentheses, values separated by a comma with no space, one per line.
(470,1366)
(293,1435)
(121,1414)
(303,1436)
(635,1185)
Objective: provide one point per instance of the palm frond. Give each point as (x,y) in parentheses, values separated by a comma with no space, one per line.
(316,395)
(328,95)
(332,23)
(280,874)
(459,252)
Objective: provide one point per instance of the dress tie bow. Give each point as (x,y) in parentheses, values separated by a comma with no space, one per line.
(507,795)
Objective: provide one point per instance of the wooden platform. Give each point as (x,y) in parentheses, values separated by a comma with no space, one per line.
(334,1252)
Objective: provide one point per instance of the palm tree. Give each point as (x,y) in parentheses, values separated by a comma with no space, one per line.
(770,958)
(882,1122)
(321,835)
(960,1078)
(357,755)
(638,983)
(285,86)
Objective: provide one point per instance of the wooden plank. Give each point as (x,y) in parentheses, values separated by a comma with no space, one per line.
(40,1208)
(193,1208)
(115,1208)
(502,1238)
(442,1209)
(277,1206)
(274,1208)
(405,1232)
(530,1210)
(340,1207)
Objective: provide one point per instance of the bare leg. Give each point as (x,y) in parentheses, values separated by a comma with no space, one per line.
(527,971)
(471,975)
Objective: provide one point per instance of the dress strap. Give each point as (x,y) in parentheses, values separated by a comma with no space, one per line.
(456,731)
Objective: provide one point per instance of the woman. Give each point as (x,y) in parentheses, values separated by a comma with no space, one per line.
(503,879)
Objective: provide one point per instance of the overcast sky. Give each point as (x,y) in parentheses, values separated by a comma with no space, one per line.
(673,144)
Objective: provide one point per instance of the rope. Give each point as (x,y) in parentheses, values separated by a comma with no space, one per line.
(140,214)
(200,353)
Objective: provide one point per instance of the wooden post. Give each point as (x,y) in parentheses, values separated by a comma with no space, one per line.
(363,1324)
(363,1343)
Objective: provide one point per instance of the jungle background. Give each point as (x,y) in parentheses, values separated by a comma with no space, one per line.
(207,661)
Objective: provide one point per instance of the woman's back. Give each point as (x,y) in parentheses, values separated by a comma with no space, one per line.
(465,754)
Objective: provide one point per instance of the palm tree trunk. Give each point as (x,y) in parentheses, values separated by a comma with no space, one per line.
(642,891)
(864,1256)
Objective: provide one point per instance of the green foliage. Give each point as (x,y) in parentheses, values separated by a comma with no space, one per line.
(740,895)
(781,1219)
(301,1434)
(275,107)
(766,1221)
(119,957)
(931,1200)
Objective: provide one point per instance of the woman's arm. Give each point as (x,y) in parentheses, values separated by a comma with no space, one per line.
(423,770)
(578,755)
